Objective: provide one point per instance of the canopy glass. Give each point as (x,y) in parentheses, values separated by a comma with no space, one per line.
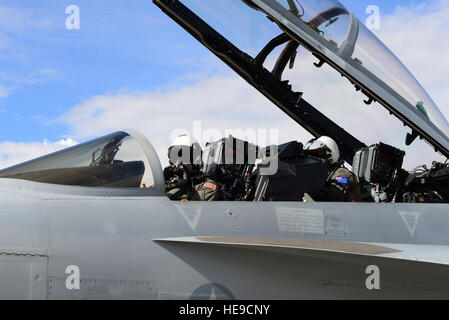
(335,26)
(338,33)
(116,160)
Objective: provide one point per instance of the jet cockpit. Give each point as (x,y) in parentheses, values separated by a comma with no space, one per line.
(261,41)
(241,34)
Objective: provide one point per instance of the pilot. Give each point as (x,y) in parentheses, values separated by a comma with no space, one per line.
(184,180)
(184,156)
(342,185)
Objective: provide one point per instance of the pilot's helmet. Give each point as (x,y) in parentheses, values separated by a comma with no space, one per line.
(326,145)
(185,149)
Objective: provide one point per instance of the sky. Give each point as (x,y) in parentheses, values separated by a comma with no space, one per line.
(130,66)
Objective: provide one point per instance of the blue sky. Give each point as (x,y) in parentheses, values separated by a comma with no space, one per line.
(359,6)
(122,46)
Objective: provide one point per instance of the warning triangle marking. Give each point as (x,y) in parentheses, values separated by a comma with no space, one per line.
(410,219)
(191,215)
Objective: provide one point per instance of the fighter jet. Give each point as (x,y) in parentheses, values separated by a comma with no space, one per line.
(94,222)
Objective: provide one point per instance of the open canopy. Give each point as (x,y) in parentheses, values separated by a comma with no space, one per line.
(331,29)
(334,35)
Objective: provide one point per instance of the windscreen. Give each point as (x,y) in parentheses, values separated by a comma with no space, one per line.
(116,160)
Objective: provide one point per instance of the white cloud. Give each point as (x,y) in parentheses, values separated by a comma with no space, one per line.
(227,102)
(220,102)
(16,81)
(4,92)
(12,153)
(20,19)
(37,76)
